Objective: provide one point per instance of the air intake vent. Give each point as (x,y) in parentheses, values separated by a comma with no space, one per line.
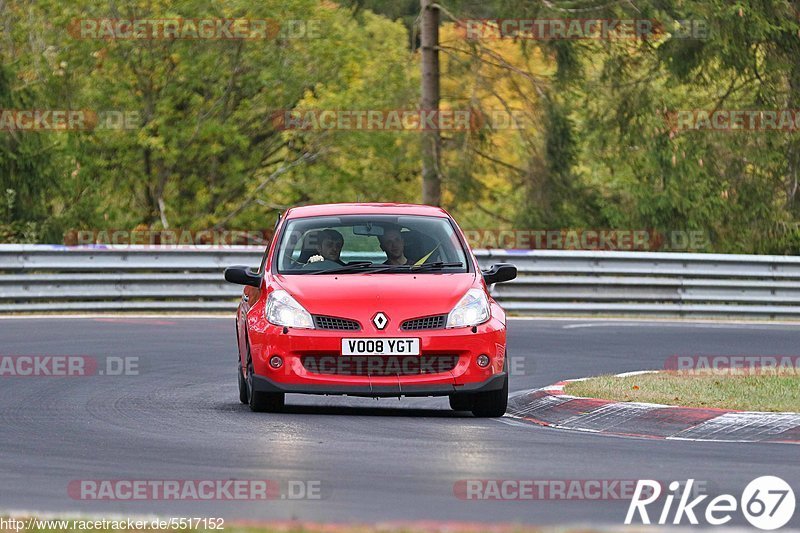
(340,324)
(426,322)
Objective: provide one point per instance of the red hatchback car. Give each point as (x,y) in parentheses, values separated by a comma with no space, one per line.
(371,300)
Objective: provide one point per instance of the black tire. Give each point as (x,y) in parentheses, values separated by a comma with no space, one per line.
(243,395)
(263,402)
(266,402)
(493,403)
(461,402)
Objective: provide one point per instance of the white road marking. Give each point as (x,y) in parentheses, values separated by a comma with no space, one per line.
(132,316)
(588,321)
(698,325)
(510,421)
(636,373)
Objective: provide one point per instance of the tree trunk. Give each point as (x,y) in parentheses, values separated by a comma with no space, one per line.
(431,139)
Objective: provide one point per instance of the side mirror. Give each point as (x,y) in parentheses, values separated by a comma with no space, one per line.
(499,273)
(242,275)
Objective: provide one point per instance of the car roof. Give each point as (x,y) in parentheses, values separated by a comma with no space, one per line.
(365,209)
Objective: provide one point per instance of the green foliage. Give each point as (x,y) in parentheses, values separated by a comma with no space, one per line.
(595,149)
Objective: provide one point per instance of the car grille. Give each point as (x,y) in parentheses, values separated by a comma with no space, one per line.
(379,365)
(426,322)
(330,322)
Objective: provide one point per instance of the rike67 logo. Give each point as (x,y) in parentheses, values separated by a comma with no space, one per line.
(767,503)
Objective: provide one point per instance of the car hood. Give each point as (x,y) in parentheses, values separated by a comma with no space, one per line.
(360,296)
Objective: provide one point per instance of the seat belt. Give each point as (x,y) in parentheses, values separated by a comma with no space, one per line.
(422,261)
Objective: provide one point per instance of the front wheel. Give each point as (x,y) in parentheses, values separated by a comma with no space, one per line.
(243,396)
(266,402)
(492,403)
(461,402)
(263,402)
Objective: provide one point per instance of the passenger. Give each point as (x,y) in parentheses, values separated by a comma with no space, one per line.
(393,245)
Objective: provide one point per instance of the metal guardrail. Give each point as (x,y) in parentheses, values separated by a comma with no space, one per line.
(36,278)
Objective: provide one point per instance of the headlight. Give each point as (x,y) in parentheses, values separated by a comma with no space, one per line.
(283,310)
(471,310)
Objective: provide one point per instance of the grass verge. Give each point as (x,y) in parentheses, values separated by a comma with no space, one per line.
(774,392)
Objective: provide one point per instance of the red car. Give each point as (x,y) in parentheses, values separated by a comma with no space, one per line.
(371,300)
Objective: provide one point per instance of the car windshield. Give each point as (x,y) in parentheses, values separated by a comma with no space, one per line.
(370,243)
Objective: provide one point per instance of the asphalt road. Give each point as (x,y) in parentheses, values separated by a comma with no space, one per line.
(375,460)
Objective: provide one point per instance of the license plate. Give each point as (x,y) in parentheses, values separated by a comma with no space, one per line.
(383,346)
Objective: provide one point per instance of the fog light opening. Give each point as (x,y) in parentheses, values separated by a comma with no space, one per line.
(483,360)
(276,361)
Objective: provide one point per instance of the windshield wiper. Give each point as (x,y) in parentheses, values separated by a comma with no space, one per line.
(352,267)
(435,266)
(364,266)
(438,265)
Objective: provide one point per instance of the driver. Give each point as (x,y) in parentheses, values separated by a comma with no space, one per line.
(393,245)
(329,245)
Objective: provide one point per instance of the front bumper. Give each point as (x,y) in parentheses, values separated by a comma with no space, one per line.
(262,384)
(295,346)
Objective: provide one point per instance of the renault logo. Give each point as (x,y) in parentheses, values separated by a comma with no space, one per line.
(380,320)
